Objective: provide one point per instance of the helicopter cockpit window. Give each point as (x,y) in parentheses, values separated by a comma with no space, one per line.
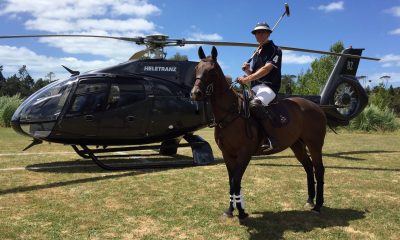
(89,98)
(86,88)
(46,104)
(123,94)
(164,88)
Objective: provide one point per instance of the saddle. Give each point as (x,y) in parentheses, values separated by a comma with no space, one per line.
(275,111)
(278,114)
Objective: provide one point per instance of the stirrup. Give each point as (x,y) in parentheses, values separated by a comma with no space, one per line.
(267,147)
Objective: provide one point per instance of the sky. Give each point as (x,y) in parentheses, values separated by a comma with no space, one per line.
(370,24)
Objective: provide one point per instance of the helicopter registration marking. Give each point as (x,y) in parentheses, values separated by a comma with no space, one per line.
(159,69)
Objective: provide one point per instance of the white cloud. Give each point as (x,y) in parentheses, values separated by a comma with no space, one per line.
(73,9)
(127,18)
(289,57)
(391,60)
(395,32)
(394,79)
(395,11)
(334,6)
(105,24)
(139,10)
(199,36)
(39,65)
(95,17)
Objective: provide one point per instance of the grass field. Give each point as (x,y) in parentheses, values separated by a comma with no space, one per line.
(50,193)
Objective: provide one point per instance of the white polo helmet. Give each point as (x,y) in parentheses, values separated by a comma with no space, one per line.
(261,26)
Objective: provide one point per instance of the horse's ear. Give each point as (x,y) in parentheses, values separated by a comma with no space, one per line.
(214,53)
(201,53)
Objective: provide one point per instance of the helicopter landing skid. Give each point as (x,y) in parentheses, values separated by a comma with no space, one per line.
(202,154)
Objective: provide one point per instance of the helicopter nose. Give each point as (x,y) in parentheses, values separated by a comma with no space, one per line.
(196,93)
(16,126)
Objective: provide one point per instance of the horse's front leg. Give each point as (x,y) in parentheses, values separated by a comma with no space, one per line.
(238,198)
(237,174)
(231,207)
(230,165)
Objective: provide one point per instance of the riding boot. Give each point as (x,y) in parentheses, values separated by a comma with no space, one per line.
(260,113)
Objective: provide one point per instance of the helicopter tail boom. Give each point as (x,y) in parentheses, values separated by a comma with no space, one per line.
(343,97)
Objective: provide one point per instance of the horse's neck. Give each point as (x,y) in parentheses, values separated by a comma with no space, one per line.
(223,99)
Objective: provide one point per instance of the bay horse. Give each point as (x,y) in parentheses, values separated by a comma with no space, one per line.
(239,138)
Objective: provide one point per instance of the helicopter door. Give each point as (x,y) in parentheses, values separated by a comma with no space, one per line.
(126,110)
(82,117)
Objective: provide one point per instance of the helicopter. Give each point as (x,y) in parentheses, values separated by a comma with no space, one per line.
(146,100)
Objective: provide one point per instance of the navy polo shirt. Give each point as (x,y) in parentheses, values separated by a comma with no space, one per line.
(270,53)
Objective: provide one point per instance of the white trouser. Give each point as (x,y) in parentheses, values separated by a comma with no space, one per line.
(264,93)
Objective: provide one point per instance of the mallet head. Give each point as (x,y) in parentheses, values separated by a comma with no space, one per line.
(287,11)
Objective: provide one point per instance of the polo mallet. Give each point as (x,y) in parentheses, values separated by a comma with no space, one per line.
(287,13)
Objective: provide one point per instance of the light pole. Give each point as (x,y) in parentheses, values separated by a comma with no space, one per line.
(385,79)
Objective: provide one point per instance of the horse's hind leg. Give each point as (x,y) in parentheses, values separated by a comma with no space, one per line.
(300,152)
(316,156)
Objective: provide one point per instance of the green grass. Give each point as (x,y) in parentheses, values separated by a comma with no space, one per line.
(362,195)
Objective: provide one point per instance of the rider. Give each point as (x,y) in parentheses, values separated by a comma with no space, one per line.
(264,77)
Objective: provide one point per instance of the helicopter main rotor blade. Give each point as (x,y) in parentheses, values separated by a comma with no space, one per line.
(182,42)
(138,40)
(328,53)
(231,44)
(239,44)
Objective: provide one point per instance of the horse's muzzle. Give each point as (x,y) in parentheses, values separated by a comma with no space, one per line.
(196,94)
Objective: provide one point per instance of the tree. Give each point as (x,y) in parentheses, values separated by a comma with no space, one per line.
(312,81)
(50,77)
(12,86)
(1,74)
(26,80)
(40,83)
(288,83)
(179,57)
(380,97)
(2,81)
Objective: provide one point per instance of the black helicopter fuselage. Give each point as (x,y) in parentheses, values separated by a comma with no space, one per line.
(136,102)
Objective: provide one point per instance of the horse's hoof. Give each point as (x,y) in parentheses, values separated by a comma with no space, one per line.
(316,209)
(243,216)
(309,205)
(228,214)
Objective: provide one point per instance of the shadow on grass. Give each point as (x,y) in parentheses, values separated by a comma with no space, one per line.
(341,155)
(332,167)
(273,225)
(70,182)
(87,166)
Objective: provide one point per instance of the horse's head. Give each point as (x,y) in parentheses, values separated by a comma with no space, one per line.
(207,72)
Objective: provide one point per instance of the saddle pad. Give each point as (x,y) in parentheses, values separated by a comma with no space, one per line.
(279,115)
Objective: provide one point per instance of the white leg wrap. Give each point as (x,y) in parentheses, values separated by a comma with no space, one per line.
(238,199)
(231,199)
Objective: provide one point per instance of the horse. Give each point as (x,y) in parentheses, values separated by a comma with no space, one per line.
(240,137)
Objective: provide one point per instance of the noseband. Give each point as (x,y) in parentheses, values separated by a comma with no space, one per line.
(209,87)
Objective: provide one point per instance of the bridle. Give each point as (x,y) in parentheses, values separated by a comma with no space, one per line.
(209,89)
(232,113)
